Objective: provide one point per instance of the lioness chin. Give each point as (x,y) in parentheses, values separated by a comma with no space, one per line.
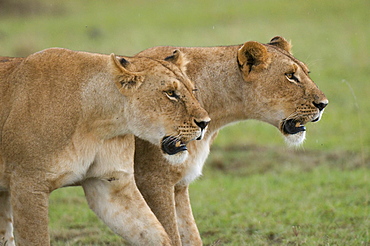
(250,81)
(68,118)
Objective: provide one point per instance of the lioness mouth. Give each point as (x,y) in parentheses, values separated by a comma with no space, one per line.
(292,127)
(172,145)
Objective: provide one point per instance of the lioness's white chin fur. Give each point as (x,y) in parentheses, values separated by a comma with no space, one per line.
(295,140)
(177,158)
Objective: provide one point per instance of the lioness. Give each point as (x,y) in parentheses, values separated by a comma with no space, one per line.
(67,118)
(250,81)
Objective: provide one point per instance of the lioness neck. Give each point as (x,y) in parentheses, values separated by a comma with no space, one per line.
(77,83)
(222,90)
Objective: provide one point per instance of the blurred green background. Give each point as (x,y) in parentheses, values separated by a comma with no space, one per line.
(331,37)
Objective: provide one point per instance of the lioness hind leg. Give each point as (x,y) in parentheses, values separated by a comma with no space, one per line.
(29,201)
(120,205)
(6,220)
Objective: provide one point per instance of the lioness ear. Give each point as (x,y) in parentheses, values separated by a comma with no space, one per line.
(179,59)
(125,80)
(281,43)
(253,56)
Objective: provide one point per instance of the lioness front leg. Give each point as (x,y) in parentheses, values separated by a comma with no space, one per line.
(29,198)
(161,200)
(185,220)
(116,201)
(6,220)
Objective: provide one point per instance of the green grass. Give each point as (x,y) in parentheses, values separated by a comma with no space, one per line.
(265,209)
(258,192)
(301,198)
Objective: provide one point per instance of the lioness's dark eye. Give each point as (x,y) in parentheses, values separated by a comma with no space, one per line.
(292,77)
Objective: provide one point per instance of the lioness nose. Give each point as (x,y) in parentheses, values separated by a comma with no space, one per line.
(321,105)
(201,124)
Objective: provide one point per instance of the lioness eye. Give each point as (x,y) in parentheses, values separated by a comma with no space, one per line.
(291,77)
(172,95)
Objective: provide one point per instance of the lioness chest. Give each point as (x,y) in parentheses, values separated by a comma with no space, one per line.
(82,159)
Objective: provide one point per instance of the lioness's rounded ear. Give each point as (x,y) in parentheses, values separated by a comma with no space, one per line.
(179,59)
(125,80)
(253,55)
(281,43)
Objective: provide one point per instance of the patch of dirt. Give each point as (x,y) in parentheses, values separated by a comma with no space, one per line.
(253,159)
(29,7)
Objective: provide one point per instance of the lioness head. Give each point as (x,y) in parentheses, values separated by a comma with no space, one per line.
(165,96)
(287,97)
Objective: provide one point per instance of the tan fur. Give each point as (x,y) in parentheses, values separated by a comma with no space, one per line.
(67,118)
(249,81)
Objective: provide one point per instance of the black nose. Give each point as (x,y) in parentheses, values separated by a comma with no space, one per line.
(320,105)
(201,124)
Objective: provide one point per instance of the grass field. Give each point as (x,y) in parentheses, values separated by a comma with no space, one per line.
(258,192)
